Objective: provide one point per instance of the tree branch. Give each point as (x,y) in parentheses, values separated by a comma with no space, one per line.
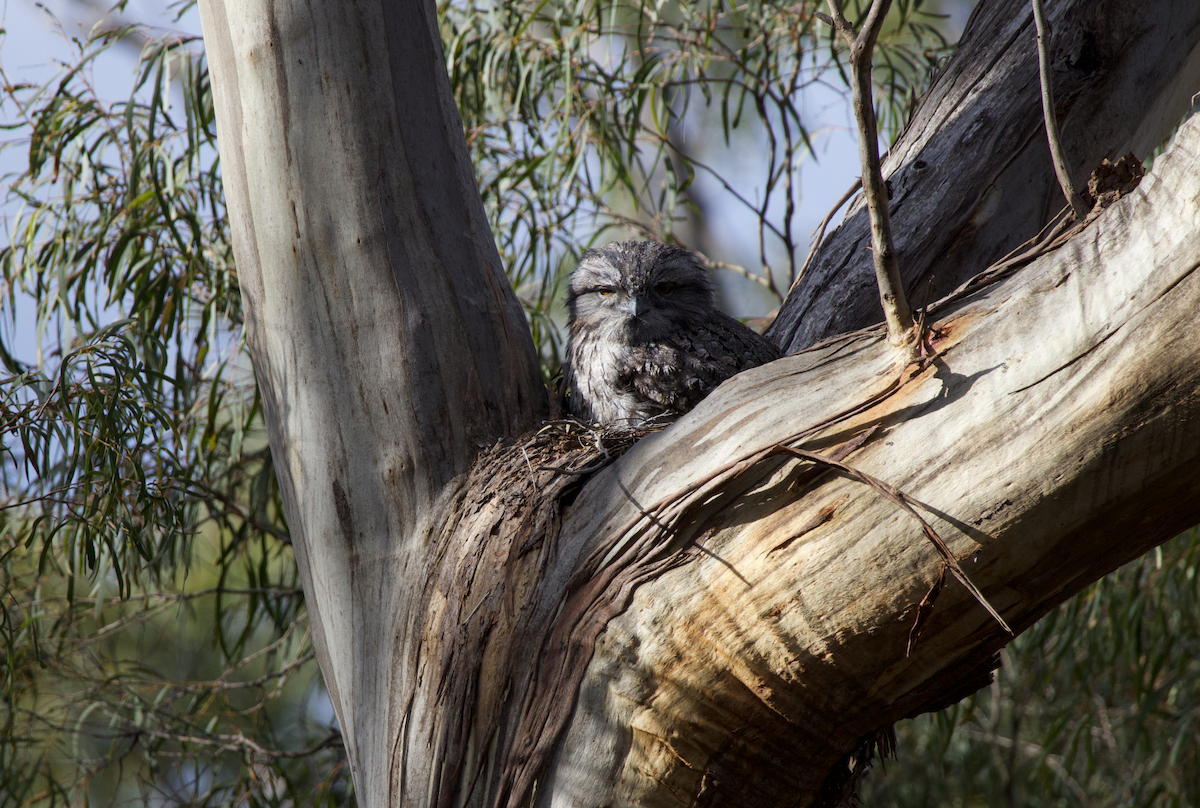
(388,344)
(896,311)
(970,174)
(784,642)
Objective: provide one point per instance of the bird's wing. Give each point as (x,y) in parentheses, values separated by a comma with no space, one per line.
(677,372)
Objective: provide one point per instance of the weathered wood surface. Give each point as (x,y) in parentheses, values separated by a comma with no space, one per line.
(1057,436)
(971,175)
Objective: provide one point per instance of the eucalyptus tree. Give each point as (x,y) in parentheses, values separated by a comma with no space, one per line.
(737,607)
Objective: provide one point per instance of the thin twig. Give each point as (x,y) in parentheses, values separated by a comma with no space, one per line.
(887,271)
(1057,155)
(737,269)
(222,685)
(236,743)
(1061,229)
(924,609)
(532,476)
(168,596)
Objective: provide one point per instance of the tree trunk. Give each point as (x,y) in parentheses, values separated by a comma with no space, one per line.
(710,619)
(387,343)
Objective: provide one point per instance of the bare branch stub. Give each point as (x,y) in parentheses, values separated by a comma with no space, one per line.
(887,271)
(1078,206)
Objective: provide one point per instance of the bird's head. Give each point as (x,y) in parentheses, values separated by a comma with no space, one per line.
(644,288)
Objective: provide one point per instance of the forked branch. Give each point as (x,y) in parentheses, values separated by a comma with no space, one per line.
(887,272)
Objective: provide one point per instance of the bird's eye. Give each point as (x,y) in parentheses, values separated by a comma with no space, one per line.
(664,288)
(607,292)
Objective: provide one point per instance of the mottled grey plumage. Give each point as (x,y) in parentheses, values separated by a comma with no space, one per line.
(645,337)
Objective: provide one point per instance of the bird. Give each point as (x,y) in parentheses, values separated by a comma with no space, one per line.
(645,339)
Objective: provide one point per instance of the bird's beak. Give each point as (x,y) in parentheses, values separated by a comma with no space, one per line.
(634,306)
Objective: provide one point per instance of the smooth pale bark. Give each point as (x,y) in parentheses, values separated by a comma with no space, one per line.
(971,176)
(387,343)
(455,609)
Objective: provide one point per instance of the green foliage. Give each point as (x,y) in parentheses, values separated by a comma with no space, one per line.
(153,640)
(1096,705)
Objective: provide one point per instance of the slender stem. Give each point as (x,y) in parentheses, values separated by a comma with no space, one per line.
(887,271)
(1057,155)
